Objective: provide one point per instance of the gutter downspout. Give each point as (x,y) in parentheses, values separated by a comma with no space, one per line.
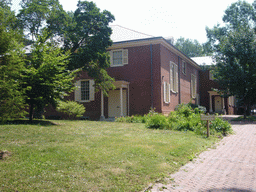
(151,75)
(179,79)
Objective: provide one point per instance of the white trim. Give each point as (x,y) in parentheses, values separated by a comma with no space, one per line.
(184,66)
(124,57)
(77,93)
(174,82)
(166,92)
(193,85)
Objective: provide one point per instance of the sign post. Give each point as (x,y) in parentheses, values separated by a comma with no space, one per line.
(207,118)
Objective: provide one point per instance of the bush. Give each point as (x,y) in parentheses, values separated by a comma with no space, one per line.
(132,119)
(221,126)
(71,108)
(157,121)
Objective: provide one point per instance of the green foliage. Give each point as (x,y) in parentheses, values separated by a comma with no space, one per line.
(186,117)
(71,108)
(132,119)
(221,126)
(234,44)
(46,78)
(88,37)
(157,121)
(191,48)
(36,13)
(85,32)
(11,67)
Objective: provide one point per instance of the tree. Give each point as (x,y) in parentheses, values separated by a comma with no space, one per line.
(191,48)
(47,78)
(235,51)
(88,37)
(86,33)
(12,101)
(236,68)
(35,14)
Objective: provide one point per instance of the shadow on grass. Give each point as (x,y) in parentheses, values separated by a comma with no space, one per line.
(228,189)
(27,122)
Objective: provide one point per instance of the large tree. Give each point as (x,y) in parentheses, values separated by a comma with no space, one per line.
(88,37)
(11,66)
(235,51)
(191,48)
(85,32)
(47,78)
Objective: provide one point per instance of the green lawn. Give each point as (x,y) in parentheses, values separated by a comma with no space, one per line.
(91,156)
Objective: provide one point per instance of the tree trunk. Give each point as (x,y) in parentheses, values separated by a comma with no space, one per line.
(245,110)
(31,111)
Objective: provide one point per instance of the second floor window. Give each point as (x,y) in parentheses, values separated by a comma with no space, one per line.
(119,57)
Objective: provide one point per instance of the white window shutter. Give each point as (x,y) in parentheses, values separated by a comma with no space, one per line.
(169,95)
(195,87)
(77,93)
(171,76)
(125,56)
(111,58)
(92,90)
(165,92)
(176,78)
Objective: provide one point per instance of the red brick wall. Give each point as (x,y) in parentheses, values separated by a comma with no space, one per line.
(205,86)
(138,73)
(185,80)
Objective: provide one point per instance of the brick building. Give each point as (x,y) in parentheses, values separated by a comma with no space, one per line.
(148,71)
(209,97)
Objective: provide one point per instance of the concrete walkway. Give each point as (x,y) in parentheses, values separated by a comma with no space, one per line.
(231,166)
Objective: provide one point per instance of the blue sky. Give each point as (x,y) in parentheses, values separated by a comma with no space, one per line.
(166,18)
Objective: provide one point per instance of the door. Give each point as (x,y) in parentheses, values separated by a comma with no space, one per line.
(218,105)
(114,108)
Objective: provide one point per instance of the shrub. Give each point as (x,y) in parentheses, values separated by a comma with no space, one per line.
(157,121)
(71,108)
(221,126)
(132,119)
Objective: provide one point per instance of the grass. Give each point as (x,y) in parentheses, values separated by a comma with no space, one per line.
(248,118)
(91,156)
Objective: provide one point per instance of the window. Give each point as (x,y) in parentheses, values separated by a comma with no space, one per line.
(193,86)
(84,90)
(166,92)
(119,57)
(174,77)
(184,67)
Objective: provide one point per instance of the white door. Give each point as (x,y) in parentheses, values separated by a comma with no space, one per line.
(114,107)
(218,105)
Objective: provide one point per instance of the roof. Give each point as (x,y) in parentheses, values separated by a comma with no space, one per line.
(207,60)
(120,33)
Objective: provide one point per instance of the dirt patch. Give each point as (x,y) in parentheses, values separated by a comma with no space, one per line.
(4,154)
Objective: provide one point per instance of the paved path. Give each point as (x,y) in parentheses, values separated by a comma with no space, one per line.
(231,166)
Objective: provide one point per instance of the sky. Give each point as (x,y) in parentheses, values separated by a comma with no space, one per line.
(166,18)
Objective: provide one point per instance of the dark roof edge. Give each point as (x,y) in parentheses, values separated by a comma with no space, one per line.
(134,40)
(157,38)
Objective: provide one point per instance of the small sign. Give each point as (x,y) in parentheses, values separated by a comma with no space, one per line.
(207,117)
